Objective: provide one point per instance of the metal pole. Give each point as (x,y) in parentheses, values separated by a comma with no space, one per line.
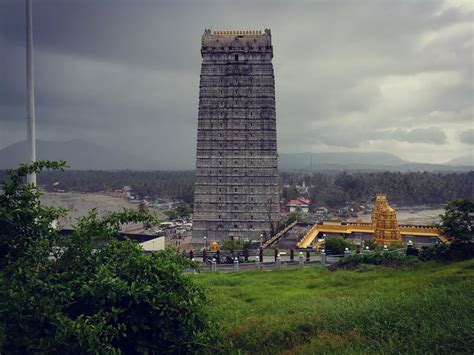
(278,261)
(31,133)
(323,257)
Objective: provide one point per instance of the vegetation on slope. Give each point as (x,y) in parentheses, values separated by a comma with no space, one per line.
(426,308)
(88,292)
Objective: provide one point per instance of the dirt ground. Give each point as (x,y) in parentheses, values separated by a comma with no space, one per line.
(423,217)
(79,204)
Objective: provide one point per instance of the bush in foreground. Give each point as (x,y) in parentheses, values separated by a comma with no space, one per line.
(378,258)
(88,293)
(337,245)
(457,223)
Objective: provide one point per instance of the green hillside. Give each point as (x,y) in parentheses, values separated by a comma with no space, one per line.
(425,308)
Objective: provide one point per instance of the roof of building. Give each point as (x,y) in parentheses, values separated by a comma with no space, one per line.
(299,202)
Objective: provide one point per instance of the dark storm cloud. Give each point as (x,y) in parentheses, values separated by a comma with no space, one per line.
(467,137)
(357,75)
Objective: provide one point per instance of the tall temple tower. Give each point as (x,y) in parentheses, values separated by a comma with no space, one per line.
(236,191)
(384,219)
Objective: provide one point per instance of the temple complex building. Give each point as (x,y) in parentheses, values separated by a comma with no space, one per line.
(236,189)
(383,229)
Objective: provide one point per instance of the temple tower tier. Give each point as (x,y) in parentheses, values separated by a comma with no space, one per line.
(236,190)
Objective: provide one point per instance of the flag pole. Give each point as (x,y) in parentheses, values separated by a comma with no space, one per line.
(30,119)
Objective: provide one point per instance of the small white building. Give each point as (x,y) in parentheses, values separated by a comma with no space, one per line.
(299,205)
(155,244)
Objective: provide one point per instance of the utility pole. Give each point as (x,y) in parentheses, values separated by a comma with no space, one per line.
(30,83)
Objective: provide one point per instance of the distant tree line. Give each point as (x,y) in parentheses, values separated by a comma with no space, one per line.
(332,189)
(410,188)
(176,184)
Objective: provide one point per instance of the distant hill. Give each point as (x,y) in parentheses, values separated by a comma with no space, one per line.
(305,160)
(83,155)
(357,161)
(466,160)
(79,154)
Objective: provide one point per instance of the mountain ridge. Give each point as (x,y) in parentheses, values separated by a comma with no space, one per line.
(78,154)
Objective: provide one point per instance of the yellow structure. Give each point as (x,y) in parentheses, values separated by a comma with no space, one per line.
(384,220)
(275,237)
(214,246)
(384,227)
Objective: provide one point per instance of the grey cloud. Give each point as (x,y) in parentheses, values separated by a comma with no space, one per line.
(341,138)
(124,72)
(432,135)
(353,137)
(467,137)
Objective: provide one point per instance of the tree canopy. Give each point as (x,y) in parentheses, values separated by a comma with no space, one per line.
(457,221)
(336,245)
(88,292)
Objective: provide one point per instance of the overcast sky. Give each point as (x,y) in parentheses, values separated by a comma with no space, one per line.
(393,76)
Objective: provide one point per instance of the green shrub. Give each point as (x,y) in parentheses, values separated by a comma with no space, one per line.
(435,252)
(457,223)
(448,252)
(371,243)
(337,245)
(378,258)
(235,245)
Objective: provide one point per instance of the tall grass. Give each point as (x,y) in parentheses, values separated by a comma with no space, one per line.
(425,308)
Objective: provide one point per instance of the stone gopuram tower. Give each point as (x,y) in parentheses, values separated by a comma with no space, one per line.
(236,191)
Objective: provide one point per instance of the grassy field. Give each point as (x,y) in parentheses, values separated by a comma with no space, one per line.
(425,308)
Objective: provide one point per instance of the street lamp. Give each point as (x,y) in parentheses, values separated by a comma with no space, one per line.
(205,242)
(261,240)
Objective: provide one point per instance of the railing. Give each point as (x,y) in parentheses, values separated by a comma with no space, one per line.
(299,261)
(305,257)
(279,234)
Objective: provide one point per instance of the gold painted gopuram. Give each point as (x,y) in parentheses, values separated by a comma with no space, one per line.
(384,220)
(384,228)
